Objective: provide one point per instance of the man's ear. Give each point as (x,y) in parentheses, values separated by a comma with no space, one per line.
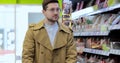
(43,11)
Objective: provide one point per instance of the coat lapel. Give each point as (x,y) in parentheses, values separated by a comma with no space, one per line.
(60,40)
(61,37)
(43,39)
(42,35)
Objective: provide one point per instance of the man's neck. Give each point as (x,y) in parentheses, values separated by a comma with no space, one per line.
(49,22)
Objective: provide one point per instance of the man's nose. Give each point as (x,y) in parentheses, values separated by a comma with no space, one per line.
(56,12)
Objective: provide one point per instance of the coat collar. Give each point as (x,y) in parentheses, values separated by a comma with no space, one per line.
(62,27)
(45,41)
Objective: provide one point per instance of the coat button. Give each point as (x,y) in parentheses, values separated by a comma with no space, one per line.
(41,52)
(56,54)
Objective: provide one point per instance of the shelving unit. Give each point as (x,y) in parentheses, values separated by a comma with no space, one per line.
(91,33)
(106,10)
(112,32)
(95,51)
(114,27)
(93,11)
(115,51)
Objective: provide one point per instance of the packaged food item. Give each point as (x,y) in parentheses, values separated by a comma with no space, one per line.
(115,45)
(116,21)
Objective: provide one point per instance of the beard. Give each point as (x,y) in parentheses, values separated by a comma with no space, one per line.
(53,19)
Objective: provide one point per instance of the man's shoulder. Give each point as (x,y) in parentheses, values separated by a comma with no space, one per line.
(32,25)
(36,26)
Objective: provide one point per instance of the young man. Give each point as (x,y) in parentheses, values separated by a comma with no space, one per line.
(49,41)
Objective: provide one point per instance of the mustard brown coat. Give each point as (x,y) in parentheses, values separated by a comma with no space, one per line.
(37,47)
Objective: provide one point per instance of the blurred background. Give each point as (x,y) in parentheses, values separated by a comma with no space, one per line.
(15,16)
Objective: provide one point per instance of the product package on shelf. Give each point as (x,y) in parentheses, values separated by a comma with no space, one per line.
(93,25)
(79,5)
(113,2)
(94,33)
(98,43)
(82,24)
(115,48)
(66,14)
(99,23)
(67,9)
(80,44)
(116,21)
(115,45)
(91,58)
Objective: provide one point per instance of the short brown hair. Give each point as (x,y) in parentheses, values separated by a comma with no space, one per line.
(46,2)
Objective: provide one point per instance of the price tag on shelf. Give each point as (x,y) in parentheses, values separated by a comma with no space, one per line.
(117,52)
(88,33)
(85,33)
(113,51)
(105,53)
(110,27)
(102,33)
(74,34)
(114,27)
(77,33)
(91,51)
(86,50)
(101,52)
(117,26)
(94,33)
(97,33)
(94,51)
(81,33)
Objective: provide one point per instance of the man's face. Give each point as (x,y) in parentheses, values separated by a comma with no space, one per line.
(52,12)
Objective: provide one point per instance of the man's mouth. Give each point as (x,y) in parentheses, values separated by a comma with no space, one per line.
(55,16)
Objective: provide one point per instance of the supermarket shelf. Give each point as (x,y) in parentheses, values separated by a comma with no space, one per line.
(94,51)
(114,27)
(105,9)
(79,13)
(91,11)
(114,51)
(91,33)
